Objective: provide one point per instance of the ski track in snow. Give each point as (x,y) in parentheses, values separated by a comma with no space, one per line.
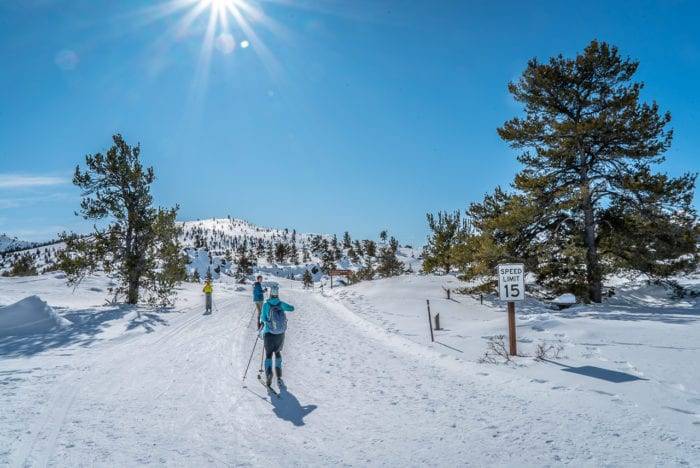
(357,395)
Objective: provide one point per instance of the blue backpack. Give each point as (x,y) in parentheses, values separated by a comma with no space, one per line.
(278,319)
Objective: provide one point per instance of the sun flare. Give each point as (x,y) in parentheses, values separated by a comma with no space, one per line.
(225,26)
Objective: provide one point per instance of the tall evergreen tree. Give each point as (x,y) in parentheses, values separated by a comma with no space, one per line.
(589,146)
(446,231)
(328,262)
(307,279)
(140,243)
(388,265)
(347,241)
(369,247)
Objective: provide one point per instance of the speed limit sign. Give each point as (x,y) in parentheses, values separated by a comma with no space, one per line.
(511,282)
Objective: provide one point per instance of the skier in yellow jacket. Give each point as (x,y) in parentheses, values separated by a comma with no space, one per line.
(207,294)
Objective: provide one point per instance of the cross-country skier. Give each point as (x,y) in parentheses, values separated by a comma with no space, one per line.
(258,296)
(274,323)
(208,289)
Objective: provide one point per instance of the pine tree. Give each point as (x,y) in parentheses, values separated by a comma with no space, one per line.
(589,146)
(328,262)
(370,248)
(280,252)
(24,265)
(138,241)
(347,242)
(270,252)
(354,258)
(243,266)
(388,265)
(446,231)
(293,254)
(357,247)
(383,235)
(307,279)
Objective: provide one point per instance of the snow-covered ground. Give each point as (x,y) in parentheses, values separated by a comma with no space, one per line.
(123,386)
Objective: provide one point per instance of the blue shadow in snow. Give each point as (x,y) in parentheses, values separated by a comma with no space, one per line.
(603,374)
(287,407)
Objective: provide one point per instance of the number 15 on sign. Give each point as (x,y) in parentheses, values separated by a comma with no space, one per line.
(511,282)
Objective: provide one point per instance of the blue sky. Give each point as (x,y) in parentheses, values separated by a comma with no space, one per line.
(358,115)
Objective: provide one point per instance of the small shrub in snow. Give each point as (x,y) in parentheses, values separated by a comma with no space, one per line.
(496,352)
(545,351)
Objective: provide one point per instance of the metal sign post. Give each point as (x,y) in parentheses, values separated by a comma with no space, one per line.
(511,288)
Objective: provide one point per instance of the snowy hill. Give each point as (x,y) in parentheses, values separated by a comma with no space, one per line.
(213,247)
(12,243)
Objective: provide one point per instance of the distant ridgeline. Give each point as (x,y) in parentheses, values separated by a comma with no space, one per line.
(230,246)
(12,244)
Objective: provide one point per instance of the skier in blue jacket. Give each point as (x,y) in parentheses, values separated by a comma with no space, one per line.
(258,296)
(274,324)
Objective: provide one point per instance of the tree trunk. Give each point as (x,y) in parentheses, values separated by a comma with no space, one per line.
(133,291)
(593,273)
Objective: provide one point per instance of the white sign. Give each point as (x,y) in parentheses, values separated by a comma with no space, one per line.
(511,282)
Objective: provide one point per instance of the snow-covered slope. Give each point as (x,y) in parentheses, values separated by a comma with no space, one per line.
(127,386)
(212,246)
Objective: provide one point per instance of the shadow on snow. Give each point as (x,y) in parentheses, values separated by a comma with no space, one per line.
(288,408)
(87,324)
(599,373)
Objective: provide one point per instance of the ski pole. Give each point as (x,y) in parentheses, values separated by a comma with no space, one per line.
(262,358)
(257,337)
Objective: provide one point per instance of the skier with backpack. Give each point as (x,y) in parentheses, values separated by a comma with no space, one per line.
(258,296)
(273,320)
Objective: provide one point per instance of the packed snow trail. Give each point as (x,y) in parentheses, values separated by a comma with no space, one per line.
(355,396)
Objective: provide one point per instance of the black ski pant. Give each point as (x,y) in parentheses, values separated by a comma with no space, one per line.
(273,345)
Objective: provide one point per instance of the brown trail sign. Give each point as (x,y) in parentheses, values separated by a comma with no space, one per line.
(338,272)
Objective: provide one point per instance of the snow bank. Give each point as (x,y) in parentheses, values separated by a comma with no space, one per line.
(29,316)
(565,299)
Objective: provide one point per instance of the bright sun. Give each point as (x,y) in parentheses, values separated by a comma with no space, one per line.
(229,25)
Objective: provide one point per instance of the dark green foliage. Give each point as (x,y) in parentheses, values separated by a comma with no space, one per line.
(365,273)
(357,247)
(369,247)
(587,203)
(388,265)
(139,244)
(280,252)
(307,279)
(447,231)
(347,242)
(23,266)
(244,265)
(328,262)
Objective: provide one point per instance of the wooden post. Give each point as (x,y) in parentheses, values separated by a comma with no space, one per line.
(437,321)
(511,328)
(481,298)
(430,321)
(331,281)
